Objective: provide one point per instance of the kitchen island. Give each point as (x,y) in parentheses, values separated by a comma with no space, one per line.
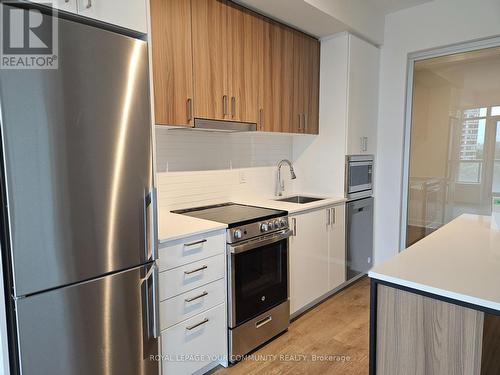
(435,307)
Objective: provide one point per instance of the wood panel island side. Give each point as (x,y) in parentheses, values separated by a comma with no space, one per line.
(435,307)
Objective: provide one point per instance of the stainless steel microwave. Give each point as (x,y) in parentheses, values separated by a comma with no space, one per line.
(359,176)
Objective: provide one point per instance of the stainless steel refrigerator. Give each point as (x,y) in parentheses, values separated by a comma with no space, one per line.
(78,224)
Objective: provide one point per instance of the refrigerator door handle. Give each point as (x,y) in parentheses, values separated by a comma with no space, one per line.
(151,227)
(152,302)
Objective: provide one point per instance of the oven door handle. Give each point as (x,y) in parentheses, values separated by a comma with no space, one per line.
(255,243)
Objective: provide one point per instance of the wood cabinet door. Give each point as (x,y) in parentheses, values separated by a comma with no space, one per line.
(312,101)
(277,88)
(308,259)
(243,63)
(210,59)
(172,62)
(305,84)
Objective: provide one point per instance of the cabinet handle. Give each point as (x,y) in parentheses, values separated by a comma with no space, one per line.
(333,216)
(328,217)
(261,119)
(195,243)
(264,321)
(233,106)
(190,109)
(196,270)
(191,299)
(294,220)
(300,122)
(366,143)
(224,105)
(306,118)
(197,324)
(89,4)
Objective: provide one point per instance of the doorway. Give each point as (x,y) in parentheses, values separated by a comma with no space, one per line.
(453,155)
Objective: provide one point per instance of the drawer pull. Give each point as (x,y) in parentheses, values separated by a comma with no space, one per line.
(196,270)
(195,243)
(263,322)
(197,324)
(191,299)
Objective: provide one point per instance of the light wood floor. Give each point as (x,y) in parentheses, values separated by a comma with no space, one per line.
(338,326)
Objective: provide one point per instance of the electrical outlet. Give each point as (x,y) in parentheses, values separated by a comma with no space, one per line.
(243,177)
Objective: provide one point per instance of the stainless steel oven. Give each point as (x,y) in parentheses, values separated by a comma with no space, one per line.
(359,176)
(258,292)
(258,282)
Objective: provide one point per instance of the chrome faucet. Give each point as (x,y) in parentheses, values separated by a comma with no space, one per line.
(280,186)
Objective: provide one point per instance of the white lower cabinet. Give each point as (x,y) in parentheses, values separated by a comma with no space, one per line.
(317,255)
(336,247)
(193,313)
(195,343)
(308,259)
(186,305)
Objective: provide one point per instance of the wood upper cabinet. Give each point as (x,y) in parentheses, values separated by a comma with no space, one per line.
(213,59)
(210,59)
(172,61)
(245,37)
(305,84)
(276,93)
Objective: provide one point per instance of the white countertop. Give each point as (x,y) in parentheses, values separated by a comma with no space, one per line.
(292,208)
(174,226)
(461,261)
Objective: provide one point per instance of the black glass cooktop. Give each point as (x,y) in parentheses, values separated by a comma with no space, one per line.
(232,214)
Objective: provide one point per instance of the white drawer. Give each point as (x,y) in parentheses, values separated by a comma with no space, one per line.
(186,305)
(206,342)
(190,276)
(190,249)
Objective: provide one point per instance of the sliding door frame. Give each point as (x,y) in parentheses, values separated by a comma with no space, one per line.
(413,57)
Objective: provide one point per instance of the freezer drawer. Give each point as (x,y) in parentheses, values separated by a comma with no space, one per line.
(96,327)
(359,236)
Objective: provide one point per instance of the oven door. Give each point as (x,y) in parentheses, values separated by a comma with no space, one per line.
(258,276)
(359,177)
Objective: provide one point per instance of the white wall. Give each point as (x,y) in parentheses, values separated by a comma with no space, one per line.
(431,25)
(319,160)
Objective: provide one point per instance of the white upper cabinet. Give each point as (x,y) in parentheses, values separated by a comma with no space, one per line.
(67,5)
(131,14)
(362,102)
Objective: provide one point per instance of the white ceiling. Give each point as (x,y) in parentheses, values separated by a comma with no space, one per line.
(391,6)
(322,18)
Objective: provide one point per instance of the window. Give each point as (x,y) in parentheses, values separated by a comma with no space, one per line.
(471,151)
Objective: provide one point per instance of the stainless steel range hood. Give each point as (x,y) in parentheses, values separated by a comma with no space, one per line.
(223,126)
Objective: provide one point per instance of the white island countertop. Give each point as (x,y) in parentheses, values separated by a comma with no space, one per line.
(460,261)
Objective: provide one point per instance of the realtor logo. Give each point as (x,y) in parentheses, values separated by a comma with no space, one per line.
(29,36)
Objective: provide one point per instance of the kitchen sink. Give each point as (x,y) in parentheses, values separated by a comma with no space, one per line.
(300,199)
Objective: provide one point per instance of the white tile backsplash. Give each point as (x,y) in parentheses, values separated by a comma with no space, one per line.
(187,150)
(201,168)
(178,190)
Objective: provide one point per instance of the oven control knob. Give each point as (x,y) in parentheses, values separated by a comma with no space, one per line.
(276,224)
(271,225)
(238,234)
(264,227)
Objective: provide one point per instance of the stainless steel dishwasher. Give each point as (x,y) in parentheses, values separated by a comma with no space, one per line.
(359,236)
